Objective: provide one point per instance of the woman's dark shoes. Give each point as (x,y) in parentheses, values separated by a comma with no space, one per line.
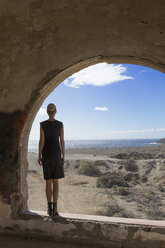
(54,211)
(50,209)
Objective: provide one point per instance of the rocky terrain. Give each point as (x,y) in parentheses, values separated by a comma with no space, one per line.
(124,182)
(162,141)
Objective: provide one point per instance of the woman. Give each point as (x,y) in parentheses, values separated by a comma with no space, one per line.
(50,157)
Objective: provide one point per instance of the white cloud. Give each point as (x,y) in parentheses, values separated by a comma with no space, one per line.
(160,129)
(136,131)
(42,111)
(101,108)
(98,75)
(145,71)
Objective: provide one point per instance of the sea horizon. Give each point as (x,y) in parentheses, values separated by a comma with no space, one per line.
(99,143)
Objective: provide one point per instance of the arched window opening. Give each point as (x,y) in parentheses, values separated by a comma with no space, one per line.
(113,117)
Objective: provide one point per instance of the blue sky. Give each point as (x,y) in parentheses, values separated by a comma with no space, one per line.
(109,101)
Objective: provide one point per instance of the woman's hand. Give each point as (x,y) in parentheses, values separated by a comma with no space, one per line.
(63,161)
(40,161)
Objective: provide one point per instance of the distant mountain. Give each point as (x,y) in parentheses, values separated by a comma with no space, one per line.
(162,141)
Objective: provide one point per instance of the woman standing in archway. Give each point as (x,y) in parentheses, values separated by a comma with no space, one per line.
(50,151)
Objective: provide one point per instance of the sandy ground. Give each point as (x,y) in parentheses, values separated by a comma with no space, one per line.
(142,197)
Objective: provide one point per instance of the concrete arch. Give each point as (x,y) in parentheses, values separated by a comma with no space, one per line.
(45,90)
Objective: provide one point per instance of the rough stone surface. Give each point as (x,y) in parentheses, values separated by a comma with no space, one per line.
(40,38)
(42,42)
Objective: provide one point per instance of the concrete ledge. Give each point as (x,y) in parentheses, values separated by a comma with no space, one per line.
(96,218)
(141,222)
(88,230)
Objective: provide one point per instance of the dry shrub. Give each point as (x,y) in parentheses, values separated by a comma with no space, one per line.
(161,187)
(122,191)
(130,165)
(131,177)
(87,168)
(110,180)
(117,211)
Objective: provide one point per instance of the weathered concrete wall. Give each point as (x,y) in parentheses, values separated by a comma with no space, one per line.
(10,133)
(41,43)
(88,233)
(41,38)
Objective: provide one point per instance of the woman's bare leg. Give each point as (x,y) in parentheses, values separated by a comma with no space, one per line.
(55,190)
(49,190)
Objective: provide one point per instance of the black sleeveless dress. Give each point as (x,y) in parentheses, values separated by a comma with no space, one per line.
(51,152)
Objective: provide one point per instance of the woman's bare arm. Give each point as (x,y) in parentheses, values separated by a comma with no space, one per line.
(62,144)
(41,144)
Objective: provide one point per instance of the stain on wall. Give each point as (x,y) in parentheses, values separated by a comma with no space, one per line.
(11,125)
